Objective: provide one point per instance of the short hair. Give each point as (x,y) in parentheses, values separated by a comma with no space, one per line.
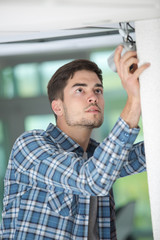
(59,80)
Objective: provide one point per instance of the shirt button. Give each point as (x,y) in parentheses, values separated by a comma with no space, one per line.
(122,140)
(126,134)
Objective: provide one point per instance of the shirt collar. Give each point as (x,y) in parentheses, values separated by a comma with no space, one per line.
(67,143)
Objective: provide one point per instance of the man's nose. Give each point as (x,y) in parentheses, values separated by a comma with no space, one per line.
(92,98)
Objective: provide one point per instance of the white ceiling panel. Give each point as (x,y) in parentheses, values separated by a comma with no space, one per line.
(21,17)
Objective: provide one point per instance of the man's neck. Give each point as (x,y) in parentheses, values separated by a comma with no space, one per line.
(80,135)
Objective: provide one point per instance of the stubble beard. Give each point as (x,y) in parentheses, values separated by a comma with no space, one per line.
(83,122)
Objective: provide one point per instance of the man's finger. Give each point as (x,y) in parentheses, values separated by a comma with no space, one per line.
(129,55)
(139,70)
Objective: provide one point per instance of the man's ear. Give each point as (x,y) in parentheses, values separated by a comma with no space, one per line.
(57,107)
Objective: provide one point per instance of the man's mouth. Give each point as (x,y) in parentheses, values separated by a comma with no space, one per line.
(93,109)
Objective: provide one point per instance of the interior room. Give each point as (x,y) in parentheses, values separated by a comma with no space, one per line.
(35,41)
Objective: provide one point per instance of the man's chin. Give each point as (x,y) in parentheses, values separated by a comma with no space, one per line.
(86,123)
(98,125)
(94,124)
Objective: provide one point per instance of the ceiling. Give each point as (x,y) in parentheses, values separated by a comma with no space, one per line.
(21,19)
(40,26)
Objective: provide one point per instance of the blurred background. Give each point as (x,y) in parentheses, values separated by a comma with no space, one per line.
(24,106)
(36,38)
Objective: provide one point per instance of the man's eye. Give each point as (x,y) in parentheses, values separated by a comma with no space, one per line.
(99,91)
(79,90)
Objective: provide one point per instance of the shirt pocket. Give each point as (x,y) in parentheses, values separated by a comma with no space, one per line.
(63,204)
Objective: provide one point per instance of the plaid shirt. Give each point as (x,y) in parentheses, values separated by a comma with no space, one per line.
(48,184)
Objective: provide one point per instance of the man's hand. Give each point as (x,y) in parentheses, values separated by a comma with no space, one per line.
(129,72)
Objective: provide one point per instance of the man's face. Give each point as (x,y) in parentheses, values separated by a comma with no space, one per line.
(83,103)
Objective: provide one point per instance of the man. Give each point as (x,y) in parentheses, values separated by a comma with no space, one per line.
(58,183)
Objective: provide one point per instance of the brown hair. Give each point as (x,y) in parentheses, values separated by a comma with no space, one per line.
(59,80)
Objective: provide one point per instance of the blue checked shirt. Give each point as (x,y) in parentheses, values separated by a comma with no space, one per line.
(48,184)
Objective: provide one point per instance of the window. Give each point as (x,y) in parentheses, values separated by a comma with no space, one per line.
(3,163)
(38,121)
(28,80)
(7,83)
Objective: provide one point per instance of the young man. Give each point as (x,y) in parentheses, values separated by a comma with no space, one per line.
(58,183)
